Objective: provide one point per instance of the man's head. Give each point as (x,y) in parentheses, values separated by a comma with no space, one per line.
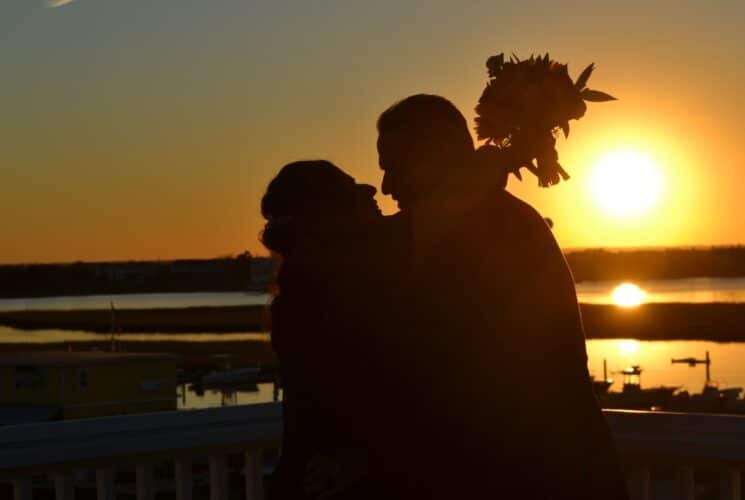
(419,140)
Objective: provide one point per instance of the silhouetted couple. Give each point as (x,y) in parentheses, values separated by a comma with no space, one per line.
(436,353)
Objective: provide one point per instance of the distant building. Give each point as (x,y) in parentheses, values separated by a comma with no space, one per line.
(59,385)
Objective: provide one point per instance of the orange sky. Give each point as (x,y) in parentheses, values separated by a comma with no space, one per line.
(146,130)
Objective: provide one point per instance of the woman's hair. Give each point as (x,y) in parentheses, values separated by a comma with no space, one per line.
(303,195)
(308,226)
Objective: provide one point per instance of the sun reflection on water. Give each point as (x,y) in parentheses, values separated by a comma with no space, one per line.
(627,347)
(628,295)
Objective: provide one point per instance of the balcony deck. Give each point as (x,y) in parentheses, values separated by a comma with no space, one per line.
(681,442)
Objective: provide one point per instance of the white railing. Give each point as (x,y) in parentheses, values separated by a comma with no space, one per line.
(58,449)
(685,441)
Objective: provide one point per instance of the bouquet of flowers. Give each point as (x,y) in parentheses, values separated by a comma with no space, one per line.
(524,106)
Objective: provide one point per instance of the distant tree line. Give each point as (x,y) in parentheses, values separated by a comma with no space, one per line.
(245,272)
(673,263)
(38,280)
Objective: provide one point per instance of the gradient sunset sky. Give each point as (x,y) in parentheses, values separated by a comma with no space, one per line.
(141,129)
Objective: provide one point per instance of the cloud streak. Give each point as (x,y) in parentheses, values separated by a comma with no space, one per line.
(58,3)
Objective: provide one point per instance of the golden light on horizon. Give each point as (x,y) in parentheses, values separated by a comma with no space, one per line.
(627,347)
(628,295)
(625,183)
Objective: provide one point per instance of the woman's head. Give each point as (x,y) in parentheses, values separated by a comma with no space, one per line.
(312,196)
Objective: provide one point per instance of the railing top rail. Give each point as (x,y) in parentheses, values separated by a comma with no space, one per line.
(679,436)
(667,436)
(107,438)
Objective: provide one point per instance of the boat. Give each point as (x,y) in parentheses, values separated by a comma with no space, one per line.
(634,397)
(712,398)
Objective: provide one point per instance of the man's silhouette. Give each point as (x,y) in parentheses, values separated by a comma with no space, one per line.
(497,398)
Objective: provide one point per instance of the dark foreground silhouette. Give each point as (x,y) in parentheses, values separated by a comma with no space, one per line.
(491,332)
(363,306)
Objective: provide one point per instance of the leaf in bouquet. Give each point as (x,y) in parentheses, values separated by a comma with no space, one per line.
(584,76)
(565,128)
(596,96)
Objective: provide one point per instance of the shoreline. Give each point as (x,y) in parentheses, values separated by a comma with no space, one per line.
(212,319)
(719,322)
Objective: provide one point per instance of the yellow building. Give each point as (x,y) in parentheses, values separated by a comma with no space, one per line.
(68,385)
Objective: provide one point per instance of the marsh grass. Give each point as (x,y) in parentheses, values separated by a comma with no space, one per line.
(720,322)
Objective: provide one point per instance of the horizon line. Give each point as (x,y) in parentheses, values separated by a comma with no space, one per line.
(566,250)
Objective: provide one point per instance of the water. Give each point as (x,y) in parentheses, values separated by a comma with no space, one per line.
(13,336)
(137,301)
(727,368)
(654,357)
(693,290)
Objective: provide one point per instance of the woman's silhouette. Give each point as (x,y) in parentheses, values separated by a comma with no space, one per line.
(322,225)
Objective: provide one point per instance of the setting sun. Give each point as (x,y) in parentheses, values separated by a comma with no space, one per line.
(626,183)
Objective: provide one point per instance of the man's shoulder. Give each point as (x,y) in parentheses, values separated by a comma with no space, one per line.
(515,207)
(507,216)
(525,227)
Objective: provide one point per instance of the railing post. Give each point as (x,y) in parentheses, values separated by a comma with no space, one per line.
(254,477)
(22,489)
(183,479)
(144,478)
(105,484)
(64,488)
(640,482)
(687,482)
(729,484)
(218,477)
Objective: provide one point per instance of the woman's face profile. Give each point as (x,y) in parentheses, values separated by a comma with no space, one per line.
(319,189)
(358,199)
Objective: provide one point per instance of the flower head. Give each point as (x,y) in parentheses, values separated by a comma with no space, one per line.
(525,100)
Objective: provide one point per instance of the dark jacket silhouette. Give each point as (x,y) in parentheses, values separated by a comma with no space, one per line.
(327,337)
(500,401)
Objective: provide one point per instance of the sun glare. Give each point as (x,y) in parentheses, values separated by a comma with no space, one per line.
(627,346)
(628,295)
(626,183)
